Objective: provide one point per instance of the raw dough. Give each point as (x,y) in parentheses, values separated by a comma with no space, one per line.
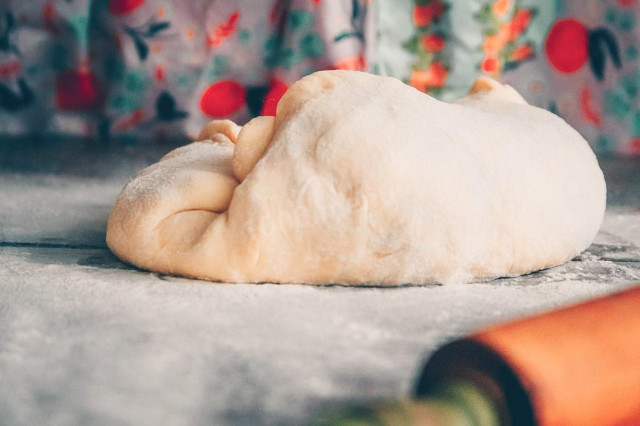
(361,179)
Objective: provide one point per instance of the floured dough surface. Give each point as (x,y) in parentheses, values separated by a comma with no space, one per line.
(361,179)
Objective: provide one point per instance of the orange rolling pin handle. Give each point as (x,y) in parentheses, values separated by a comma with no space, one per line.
(575,366)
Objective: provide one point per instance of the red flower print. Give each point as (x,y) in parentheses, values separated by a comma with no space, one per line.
(122,7)
(521,53)
(433,42)
(223,31)
(567,45)
(131,121)
(500,7)
(10,69)
(352,63)
(519,23)
(434,76)
(589,114)
(495,42)
(490,64)
(160,73)
(78,91)
(634,146)
(222,98)
(276,91)
(49,17)
(424,15)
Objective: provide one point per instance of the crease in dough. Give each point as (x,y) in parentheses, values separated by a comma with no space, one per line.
(360,179)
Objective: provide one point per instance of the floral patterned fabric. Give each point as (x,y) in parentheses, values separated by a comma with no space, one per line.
(163,68)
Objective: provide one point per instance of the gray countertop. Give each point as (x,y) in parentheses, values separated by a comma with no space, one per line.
(87,340)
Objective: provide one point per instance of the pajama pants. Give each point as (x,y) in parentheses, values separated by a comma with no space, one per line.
(163,68)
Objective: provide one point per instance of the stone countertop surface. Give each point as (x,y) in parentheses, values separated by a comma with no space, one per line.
(88,340)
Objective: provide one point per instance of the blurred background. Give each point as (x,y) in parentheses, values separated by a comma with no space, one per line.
(92,91)
(160,69)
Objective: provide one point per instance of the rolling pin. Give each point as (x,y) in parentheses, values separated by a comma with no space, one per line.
(579,365)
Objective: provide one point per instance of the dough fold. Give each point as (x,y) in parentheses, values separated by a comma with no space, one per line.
(360,179)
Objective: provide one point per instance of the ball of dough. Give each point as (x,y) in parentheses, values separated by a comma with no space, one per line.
(361,179)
